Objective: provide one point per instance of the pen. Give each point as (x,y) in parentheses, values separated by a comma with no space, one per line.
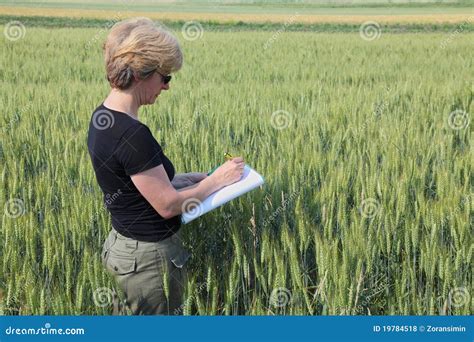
(227,157)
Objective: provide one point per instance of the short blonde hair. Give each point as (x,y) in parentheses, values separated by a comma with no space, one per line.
(139,47)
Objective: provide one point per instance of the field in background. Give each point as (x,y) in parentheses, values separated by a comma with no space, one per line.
(309,12)
(364,143)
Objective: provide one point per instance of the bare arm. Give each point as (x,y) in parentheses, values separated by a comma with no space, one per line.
(155,186)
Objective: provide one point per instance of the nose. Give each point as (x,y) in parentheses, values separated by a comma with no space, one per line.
(165,86)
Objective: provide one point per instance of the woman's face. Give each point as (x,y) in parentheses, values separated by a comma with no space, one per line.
(150,87)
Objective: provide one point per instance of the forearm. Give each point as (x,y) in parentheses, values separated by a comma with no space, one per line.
(197,192)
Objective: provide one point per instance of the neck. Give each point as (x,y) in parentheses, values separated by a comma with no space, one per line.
(122,101)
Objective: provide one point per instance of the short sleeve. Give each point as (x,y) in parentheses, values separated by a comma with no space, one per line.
(138,151)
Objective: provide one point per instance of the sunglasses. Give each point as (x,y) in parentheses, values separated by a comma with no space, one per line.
(165,78)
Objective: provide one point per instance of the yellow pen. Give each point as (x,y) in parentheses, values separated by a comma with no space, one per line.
(227,157)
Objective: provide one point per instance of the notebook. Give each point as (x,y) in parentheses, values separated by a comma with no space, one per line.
(249,181)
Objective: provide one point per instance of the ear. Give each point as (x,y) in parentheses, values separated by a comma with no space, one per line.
(135,77)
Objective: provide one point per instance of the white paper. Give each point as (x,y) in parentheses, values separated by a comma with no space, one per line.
(249,181)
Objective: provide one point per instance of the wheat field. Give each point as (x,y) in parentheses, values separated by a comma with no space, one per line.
(365,147)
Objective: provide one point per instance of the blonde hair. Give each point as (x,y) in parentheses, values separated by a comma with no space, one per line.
(138,47)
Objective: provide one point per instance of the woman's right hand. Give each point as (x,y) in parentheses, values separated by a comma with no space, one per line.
(229,172)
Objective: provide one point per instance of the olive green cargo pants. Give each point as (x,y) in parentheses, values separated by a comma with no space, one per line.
(139,269)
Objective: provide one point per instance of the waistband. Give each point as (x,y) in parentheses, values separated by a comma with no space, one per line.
(173,239)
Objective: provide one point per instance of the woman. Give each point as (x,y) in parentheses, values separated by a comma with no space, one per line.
(141,191)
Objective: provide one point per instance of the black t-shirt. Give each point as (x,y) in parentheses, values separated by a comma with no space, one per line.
(120,146)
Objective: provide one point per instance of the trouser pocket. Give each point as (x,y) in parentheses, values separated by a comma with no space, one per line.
(108,244)
(121,264)
(139,270)
(123,268)
(176,257)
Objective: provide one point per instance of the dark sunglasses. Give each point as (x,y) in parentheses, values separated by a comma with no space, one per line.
(165,78)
